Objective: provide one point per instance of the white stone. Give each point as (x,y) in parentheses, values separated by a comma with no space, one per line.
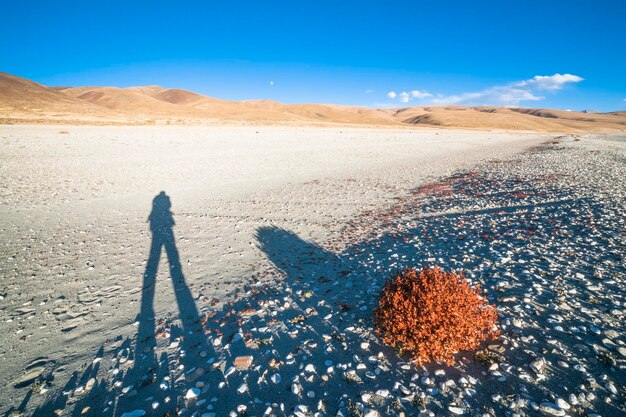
(192,393)
(551,409)
(456,410)
(561,403)
(296,388)
(537,365)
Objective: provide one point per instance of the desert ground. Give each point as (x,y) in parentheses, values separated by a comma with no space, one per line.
(226,270)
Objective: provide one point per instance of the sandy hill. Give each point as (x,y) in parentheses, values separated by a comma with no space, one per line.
(510,118)
(326,112)
(126,101)
(168,104)
(24,101)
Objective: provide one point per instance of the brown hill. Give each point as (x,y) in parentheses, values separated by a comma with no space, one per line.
(327,112)
(24,101)
(171,104)
(510,118)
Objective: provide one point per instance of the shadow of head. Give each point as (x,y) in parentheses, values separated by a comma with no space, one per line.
(161,217)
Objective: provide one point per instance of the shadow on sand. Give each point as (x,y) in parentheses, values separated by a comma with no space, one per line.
(137,368)
(306,322)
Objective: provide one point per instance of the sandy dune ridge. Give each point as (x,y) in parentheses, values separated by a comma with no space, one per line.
(24,101)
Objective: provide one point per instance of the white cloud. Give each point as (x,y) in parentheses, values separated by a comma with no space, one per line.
(420,94)
(513,93)
(369,91)
(549,82)
(495,95)
(508,94)
(405,97)
(271,82)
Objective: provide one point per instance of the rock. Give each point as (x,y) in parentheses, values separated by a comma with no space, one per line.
(242,388)
(276,378)
(29,377)
(551,409)
(561,403)
(296,388)
(537,365)
(456,410)
(89,385)
(192,393)
(135,413)
(243,361)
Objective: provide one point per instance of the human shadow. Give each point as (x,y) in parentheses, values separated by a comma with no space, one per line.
(137,365)
(146,369)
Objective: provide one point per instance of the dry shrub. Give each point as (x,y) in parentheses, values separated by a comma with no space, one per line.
(432,314)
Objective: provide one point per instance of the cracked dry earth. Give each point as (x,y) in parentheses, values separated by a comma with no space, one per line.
(543,232)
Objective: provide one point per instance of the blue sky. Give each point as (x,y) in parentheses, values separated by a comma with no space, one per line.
(346,52)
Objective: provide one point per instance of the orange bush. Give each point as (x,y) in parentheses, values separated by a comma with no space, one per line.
(432,314)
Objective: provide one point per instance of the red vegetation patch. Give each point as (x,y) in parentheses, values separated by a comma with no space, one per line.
(438,188)
(432,314)
(519,195)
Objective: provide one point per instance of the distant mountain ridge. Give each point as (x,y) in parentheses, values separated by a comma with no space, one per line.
(25,101)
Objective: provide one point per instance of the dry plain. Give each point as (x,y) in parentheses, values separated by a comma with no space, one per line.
(75,238)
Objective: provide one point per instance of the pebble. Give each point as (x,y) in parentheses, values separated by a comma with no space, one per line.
(192,393)
(551,409)
(296,388)
(456,410)
(537,365)
(561,403)
(134,413)
(243,361)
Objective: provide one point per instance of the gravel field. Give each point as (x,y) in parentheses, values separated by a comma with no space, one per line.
(248,287)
